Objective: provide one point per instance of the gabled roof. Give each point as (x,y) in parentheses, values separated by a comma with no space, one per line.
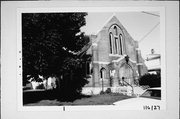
(113,17)
(114,20)
(106,24)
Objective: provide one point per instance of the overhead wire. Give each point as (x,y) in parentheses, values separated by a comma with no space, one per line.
(148,32)
(150,29)
(151,14)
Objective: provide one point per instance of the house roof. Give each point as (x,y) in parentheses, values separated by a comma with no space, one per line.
(84,49)
(153,57)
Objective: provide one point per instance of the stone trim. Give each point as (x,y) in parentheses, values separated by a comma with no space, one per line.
(115,55)
(99,62)
(132,61)
(139,64)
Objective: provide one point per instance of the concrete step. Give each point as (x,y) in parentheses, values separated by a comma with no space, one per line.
(138,91)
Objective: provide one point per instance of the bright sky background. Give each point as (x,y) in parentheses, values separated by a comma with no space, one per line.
(137,24)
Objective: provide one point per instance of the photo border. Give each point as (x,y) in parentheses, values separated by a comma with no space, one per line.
(9,64)
(20,106)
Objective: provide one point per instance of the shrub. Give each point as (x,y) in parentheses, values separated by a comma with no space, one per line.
(108,90)
(40,86)
(152,80)
(102,92)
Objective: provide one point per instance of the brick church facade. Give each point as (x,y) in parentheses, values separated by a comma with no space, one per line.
(116,58)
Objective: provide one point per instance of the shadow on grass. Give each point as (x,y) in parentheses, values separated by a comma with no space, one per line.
(38,95)
(57,98)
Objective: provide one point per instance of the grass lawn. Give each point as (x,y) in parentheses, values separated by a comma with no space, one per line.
(103,99)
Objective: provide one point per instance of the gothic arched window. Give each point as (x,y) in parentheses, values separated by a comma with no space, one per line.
(121,44)
(116,40)
(115,45)
(111,42)
(103,73)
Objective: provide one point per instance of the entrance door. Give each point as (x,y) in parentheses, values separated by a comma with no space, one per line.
(126,74)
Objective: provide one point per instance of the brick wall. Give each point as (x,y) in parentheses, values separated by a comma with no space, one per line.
(102,55)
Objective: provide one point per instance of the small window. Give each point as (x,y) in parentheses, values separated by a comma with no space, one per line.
(116,31)
(103,73)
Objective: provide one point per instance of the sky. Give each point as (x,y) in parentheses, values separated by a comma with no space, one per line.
(138,25)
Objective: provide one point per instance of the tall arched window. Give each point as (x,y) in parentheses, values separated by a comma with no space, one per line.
(116,40)
(121,44)
(118,45)
(111,42)
(115,46)
(88,68)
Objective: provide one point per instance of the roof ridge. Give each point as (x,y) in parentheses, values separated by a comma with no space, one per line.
(84,49)
(106,22)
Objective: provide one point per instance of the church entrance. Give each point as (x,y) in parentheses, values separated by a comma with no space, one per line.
(126,75)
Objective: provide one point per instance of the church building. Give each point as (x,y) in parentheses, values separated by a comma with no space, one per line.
(116,59)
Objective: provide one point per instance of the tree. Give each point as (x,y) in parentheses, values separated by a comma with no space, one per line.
(152,80)
(50,42)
